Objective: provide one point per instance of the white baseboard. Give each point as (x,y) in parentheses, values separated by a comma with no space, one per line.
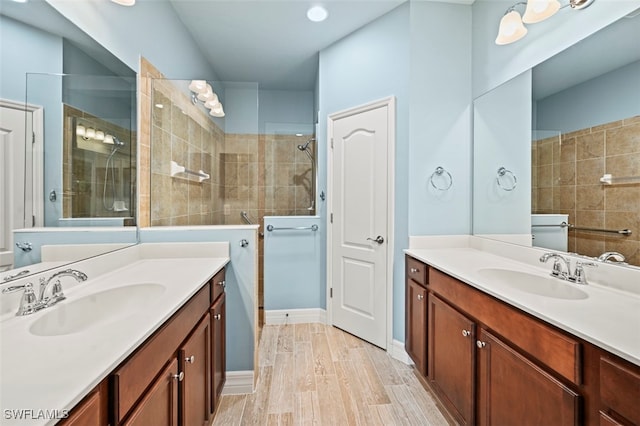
(397,352)
(295,316)
(238,383)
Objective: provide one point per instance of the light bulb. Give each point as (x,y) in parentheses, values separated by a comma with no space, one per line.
(80,130)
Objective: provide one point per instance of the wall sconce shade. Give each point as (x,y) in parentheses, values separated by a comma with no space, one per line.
(90,133)
(80,130)
(539,10)
(108,139)
(206,95)
(202,91)
(125,2)
(198,86)
(511,28)
(99,135)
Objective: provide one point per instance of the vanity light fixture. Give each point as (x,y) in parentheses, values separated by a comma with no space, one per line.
(317,13)
(203,92)
(512,27)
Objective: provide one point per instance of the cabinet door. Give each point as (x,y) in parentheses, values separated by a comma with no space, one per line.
(218,325)
(87,413)
(159,405)
(451,359)
(194,357)
(416,325)
(512,390)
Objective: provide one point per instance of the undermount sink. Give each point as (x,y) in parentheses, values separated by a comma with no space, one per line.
(540,285)
(75,316)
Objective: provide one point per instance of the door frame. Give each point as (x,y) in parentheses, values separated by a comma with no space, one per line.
(37,114)
(390,103)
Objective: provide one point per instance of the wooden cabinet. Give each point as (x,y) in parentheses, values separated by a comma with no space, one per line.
(194,357)
(90,411)
(416,313)
(159,406)
(416,325)
(451,359)
(619,391)
(176,376)
(513,390)
(218,361)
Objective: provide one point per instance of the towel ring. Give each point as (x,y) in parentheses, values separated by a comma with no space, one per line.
(504,172)
(440,172)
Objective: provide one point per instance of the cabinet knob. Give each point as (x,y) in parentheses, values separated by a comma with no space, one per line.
(466,333)
(414,270)
(217,317)
(480,344)
(190,359)
(180,376)
(222,283)
(420,297)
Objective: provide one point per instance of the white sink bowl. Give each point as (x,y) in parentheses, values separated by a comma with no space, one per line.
(539,285)
(75,316)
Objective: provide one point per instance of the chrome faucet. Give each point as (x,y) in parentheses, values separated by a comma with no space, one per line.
(557,265)
(56,293)
(612,256)
(578,276)
(30,303)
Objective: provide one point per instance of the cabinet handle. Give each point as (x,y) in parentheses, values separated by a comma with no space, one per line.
(414,270)
(180,376)
(480,344)
(217,317)
(466,333)
(420,297)
(190,359)
(222,283)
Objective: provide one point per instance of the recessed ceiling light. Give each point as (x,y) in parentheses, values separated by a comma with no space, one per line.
(317,14)
(125,2)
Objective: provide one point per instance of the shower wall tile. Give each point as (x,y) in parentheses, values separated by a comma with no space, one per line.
(585,155)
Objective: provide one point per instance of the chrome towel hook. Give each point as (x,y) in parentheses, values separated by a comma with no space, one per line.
(446,180)
(502,172)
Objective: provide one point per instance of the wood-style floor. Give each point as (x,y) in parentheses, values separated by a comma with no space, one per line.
(314,374)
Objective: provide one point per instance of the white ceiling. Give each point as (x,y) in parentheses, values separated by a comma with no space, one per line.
(272,42)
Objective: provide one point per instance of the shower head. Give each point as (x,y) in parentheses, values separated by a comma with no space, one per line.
(306,144)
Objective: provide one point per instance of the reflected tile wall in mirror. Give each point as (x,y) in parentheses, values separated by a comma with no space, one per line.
(566,176)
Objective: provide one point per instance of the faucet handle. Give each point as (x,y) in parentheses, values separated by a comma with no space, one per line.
(579,275)
(29,303)
(556,271)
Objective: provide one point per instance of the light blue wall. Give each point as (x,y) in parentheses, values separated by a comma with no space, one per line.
(440,118)
(158,33)
(57,237)
(286,108)
(240,290)
(610,97)
(502,138)
(370,64)
(494,65)
(291,268)
(241,108)
(25,49)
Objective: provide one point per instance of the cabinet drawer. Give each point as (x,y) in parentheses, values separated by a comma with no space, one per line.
(555,350)
(620,389)
(416,270)
(130,380)
(218,285)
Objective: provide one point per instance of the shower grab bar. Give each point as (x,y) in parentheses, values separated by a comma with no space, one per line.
(271,228)
(608,179)
(245,217)
(580,228)
(176,168)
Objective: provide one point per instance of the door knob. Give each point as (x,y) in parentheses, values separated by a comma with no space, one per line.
(378,239)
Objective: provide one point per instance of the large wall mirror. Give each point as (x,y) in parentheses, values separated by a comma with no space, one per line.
(557,150)
(69,160)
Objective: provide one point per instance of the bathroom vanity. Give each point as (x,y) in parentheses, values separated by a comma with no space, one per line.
(148,349)
(498,352)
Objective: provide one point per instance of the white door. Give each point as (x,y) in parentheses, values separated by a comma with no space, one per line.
(16,177)
(360,267)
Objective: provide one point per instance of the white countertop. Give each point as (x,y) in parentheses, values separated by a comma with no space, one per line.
(55,373)
(608,317)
